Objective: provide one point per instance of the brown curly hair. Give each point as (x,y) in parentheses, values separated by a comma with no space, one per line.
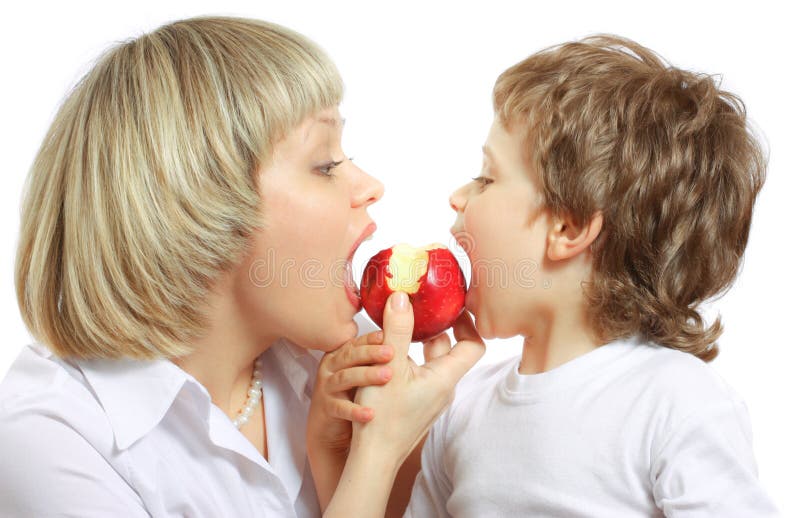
(668,159)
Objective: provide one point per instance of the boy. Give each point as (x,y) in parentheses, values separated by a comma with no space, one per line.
(630,185)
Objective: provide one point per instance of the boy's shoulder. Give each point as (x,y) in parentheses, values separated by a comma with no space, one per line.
(680,371)
(481,378)
(657,377)
(642,369)
(673,386)
(478,383)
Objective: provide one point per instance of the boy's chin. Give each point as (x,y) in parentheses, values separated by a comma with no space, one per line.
(491,329)
(482,326)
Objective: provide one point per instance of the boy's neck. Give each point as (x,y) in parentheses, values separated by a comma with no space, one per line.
(555,338)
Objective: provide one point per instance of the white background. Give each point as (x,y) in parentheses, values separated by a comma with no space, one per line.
(418,82)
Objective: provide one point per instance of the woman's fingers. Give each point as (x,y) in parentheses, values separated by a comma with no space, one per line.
(373,338)
(464,329)
(398,325)
(353,377)
(342,408)
(351,356)
(468,350)
(436,346)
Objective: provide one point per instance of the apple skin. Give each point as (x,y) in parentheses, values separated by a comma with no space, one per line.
(436,304)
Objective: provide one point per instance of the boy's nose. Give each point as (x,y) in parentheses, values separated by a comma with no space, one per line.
(457,200)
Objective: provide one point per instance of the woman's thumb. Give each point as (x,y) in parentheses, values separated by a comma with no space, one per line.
(398,324)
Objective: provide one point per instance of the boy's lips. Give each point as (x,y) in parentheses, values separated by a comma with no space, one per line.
(462,238)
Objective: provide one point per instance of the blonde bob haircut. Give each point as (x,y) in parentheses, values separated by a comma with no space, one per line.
(144,191)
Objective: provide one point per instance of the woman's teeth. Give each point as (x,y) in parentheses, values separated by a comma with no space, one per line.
(350,279)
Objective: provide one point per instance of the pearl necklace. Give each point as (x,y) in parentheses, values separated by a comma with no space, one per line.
(253,397)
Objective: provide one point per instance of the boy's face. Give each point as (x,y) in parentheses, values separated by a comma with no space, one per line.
(504,233)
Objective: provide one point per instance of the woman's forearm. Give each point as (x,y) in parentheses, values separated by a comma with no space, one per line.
(326,469)
(404,482)
(365,484)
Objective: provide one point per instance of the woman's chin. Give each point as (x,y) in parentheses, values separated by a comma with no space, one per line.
(343,333)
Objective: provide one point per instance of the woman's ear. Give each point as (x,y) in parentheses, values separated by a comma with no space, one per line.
(565,239)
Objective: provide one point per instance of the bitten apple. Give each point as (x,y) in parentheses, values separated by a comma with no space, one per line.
(430,275)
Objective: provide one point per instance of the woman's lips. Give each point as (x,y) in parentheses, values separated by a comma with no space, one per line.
(368,231)
(350,285)
(351,288)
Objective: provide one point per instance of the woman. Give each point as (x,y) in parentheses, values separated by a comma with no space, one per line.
(185,229)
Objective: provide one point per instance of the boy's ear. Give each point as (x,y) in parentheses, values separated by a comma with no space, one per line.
(566,239)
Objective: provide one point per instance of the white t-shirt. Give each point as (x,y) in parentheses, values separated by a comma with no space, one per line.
(135,438)
(629,429)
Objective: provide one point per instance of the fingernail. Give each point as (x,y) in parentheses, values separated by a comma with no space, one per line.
(385,373)
(385,352)
(379,336)
(400,301)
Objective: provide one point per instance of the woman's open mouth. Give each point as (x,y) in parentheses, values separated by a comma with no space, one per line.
(350,286)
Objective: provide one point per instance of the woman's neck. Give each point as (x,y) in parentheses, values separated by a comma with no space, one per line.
(222,360)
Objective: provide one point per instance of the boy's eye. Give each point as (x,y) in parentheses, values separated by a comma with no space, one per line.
(483,180)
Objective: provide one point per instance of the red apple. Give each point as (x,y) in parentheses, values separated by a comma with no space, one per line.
(430,275)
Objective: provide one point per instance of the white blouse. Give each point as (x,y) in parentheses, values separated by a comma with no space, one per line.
(137,438)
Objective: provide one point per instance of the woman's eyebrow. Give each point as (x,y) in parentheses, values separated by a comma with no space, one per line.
(335,123)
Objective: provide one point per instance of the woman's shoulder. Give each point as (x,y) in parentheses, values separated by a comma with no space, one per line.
(37,369)
(56,442)
(40,386)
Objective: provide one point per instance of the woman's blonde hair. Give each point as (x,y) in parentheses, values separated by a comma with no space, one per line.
(669,160)
(143,190)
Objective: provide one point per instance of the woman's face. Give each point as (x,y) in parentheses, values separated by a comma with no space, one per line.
(297,281)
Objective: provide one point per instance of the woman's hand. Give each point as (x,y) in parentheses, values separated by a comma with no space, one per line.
(408,404)
(357,363)
(404,408)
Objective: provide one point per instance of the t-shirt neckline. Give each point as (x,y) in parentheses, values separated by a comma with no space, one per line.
(529,388)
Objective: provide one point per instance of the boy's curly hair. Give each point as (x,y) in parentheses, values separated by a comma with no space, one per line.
(669,160)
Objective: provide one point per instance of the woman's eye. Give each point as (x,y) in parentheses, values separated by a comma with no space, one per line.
(326,169)
(330,166)
(483,180)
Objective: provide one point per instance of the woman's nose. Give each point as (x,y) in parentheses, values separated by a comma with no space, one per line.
(367,189)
